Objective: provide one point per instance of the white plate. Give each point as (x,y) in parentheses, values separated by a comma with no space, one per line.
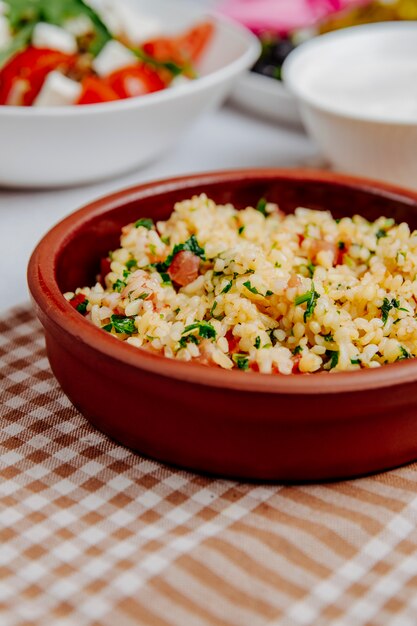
(266,97)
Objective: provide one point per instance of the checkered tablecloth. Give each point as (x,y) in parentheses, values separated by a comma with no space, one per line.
(92,534)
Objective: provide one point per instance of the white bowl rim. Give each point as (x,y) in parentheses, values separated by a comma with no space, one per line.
(248,57)
(289,74)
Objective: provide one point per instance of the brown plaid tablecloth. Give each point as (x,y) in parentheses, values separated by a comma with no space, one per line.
(92,534)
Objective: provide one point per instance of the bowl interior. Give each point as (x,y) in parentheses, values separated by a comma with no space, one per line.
(366,72)
(92,232)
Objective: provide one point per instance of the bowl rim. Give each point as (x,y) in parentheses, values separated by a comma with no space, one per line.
(224,73)
(290,79)
(50,300)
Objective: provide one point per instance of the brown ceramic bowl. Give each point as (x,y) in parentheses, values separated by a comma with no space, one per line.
(234,423)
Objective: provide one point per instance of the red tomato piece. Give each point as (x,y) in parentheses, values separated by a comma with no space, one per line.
(135,80)
(184,268)
(26,73)
(342,249)
(232,341)
(185,48)
(78,299)
(296,363)
(319,245)
(96,90)
(104,270)
(194,41)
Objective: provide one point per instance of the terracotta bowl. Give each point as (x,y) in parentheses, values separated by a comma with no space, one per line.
(298,427)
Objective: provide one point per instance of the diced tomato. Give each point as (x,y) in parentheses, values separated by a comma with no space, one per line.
(96,90)
(232,341)
(183,49)
(294,281)
(254,367)
(193,42)
(25,73)
(104,270)
(78,299)
(320,245)
(184,268)
(342,249)
(296,363)
(300,238)
(135,80)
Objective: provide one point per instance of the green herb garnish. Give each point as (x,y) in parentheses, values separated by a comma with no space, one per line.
(261,207)
(310,297)
(82,307)
(228,287)
(257,343)
(241,229)
(119,285)
(380,234)
(121,325)
(205,330)
(188,339)
(241,361)
(146,222)
(334,357)
(191,245)
(297,350)
(250,288)
(404,354)
(328,337)
(355,361)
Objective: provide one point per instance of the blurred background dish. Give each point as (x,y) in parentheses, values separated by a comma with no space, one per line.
(68,145)
(357,94)
(281,26)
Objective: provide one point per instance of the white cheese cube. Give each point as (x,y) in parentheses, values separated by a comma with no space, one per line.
(79,26)
(58,90)
(54,38)
(137,27)
(5,32)
(113,57)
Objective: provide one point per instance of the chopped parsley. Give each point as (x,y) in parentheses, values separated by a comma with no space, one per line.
(213,308)
(191,245)
(250,288)
(261,207)
(328,337)
(356,361)
(341,245)
(380,234)
(205,330)
(386,307)
(257,343)
(143,296)
(146,222)
(311,268)
(297,350)
(188,339)
(404,354)
(310,297)
(166,280)
(121,325)
(131,264)
(334,357)
(119,285)
(269,293)
(82,306)
(241,361)
(241,229)
(228,287)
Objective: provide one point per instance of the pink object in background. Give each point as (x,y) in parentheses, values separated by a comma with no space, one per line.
(283,16)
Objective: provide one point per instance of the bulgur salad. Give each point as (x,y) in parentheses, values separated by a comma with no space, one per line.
(259,290)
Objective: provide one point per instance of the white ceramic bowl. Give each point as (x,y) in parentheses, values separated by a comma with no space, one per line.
(74,145)
(357,94)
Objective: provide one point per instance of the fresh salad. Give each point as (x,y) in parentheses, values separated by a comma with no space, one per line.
(75,52)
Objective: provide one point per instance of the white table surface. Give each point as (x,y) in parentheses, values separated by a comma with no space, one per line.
(227,138)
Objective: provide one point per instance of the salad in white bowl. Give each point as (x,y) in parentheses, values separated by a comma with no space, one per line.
(141,72)
(90,51)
